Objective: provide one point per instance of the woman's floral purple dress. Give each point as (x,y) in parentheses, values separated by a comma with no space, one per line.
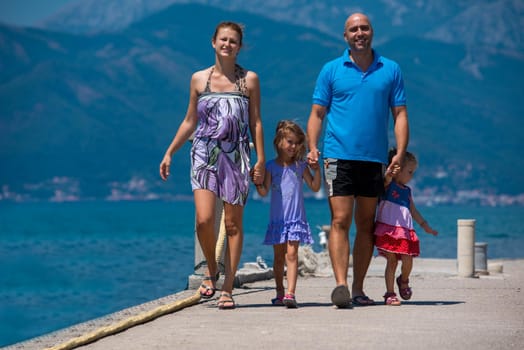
(220,151)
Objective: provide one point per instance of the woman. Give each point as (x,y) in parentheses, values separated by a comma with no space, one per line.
(224,103)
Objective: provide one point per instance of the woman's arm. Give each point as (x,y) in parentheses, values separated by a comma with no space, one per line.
(255,126)
(186,128)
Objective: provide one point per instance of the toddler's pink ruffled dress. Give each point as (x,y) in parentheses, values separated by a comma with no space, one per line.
(394,230)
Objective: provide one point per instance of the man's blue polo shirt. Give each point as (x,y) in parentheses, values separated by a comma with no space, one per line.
(358,107)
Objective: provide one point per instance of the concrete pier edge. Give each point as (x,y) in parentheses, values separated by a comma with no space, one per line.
(426,268)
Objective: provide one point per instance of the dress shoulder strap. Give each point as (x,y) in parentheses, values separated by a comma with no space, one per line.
(240,79)
(208,82)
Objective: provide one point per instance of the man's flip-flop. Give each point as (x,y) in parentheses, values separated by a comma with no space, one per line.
(363,300)
(341,297)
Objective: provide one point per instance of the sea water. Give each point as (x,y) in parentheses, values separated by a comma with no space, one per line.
(66,263)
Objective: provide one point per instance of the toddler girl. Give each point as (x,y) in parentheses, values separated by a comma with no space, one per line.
(395,237)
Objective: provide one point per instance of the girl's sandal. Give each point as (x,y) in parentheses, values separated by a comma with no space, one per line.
(278,300)
(226,301)
(391,299)
(406,292)
(290,301)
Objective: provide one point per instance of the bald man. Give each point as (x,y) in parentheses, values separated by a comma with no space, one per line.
(355,95)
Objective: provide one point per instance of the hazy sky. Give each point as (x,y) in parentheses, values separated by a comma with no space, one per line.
(28,12)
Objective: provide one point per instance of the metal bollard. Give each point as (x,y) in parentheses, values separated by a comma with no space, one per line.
(481,258)
(323,235)
(465,247)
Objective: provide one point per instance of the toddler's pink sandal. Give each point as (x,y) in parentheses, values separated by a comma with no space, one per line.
(405,293)
(391,299)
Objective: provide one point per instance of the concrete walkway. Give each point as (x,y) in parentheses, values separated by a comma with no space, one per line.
(446,312)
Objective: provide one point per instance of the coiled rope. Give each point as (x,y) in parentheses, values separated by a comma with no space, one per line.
(147,315)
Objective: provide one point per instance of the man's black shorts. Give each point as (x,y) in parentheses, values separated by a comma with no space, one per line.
(353,178)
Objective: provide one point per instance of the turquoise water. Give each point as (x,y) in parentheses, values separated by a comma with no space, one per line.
(65,263)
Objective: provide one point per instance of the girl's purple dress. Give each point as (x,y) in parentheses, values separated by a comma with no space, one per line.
(288,216)
(220,151)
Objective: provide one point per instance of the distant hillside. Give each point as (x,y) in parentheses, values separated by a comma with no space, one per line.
(453,22)
(101,108)
(104,107)
(442,20)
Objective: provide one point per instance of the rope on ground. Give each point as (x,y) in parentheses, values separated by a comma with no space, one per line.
(145,316)
(221,239)
(128,323)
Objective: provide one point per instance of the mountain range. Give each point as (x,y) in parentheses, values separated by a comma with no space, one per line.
(464,21)
(95,106)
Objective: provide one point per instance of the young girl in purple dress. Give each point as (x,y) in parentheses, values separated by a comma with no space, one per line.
(395,237)
(288,226)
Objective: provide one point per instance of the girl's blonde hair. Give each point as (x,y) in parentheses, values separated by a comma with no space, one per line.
(283,128)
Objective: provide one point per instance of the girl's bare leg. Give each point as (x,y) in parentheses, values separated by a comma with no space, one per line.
(407,266)
(279,260)
(292,266)
(403,279)
(391,269)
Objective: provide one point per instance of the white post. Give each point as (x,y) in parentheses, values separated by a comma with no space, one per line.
(466,247)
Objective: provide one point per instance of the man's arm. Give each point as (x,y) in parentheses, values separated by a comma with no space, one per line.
(400,118)
(314,127)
